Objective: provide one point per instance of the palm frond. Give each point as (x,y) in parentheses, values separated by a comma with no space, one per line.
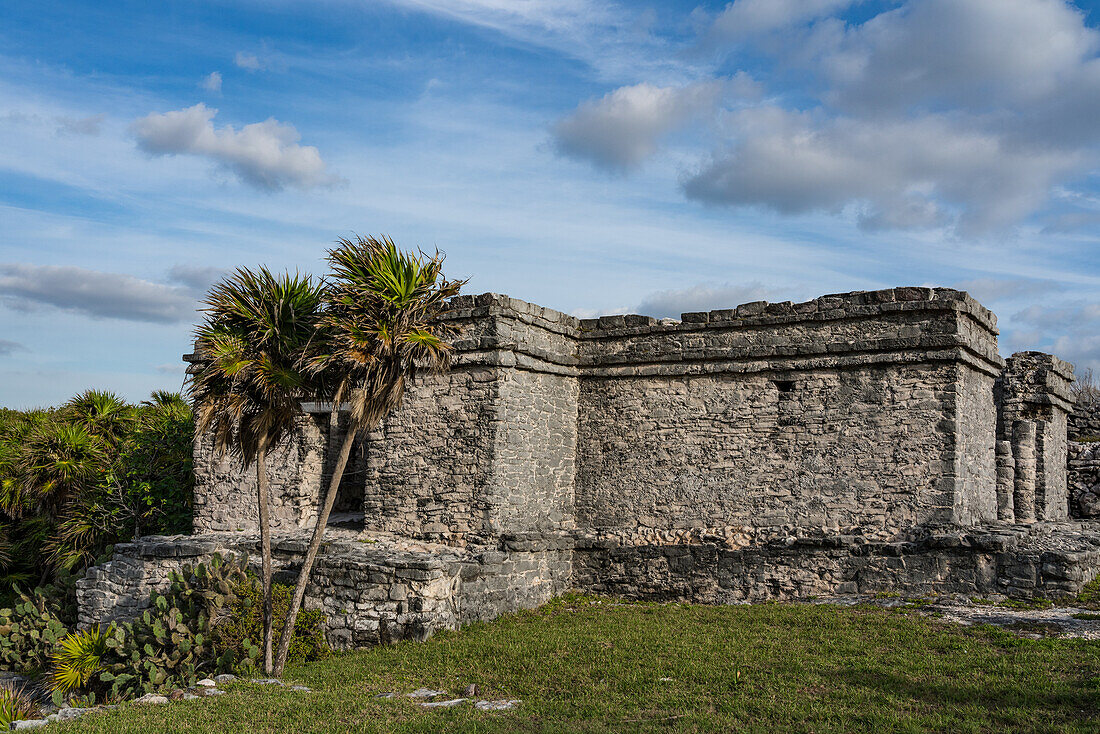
(251,380)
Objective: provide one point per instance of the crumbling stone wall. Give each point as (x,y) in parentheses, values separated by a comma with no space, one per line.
(856,441)
(1084,421)
(429,466)
(1035,400)
(1084,479)
(225,494)
(370,593)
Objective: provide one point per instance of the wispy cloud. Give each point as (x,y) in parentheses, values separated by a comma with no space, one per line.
(620,130)
(265,155)
(94,293)
(7,347)
(247,61)
(702,297)
(89,125)
(997,289)
(212,82)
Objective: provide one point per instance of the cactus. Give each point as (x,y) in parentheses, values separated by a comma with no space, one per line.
(29,633)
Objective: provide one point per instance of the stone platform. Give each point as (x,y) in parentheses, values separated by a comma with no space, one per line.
(377,588)
(373,588)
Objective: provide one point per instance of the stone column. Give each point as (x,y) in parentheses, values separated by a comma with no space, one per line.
(1006,478)
(1034,387)
(1023,447)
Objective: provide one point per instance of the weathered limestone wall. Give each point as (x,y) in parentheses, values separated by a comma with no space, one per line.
(429,467)
(225,495)
(1020,561)
(1083,478)
(1035,401)
(1084,421)
(370,593)
(534,455)
(741,454)
(975,418)
(842,412)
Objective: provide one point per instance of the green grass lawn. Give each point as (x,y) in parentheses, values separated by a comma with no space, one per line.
(587,665)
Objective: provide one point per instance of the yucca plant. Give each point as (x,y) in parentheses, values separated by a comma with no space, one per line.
(16,704)
(250,384)
(380,329)
(78,658)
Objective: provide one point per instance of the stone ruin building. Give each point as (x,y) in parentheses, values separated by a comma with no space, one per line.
(856,443)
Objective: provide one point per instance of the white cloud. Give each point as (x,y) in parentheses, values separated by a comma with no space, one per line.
(94,293)
(702,297)
(212,82)
(249,62)
(907,173)
(936,113)
(745,19)
(265,155)
(623,128)
(975,55)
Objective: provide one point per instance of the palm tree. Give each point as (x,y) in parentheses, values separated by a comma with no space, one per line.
(101,413)
(250,384)
(379,331)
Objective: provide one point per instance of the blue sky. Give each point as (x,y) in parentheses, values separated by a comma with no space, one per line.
(594,157)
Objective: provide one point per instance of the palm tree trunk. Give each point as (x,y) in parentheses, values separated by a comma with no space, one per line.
(262,495)
(314,546)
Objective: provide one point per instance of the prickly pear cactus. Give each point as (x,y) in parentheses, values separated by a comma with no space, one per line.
(29,632)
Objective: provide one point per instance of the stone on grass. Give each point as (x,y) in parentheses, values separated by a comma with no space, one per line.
(391,694)
(211,692)
(206,683)
(301,688)
(225,678)
(27,724)
(502,705)
(151,698)
(425,693)
(443,704)
(68,714)
(471,690)
(267,681)
(189,697)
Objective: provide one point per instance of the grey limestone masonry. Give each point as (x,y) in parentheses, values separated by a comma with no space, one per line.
(859,442)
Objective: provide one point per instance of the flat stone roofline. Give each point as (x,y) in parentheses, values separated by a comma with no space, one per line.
(755,337)
(827,307)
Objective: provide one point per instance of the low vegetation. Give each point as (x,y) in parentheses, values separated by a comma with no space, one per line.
(209,621)
(590,665)
(76,479)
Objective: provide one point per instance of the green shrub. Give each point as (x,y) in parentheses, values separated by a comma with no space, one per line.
(78,658)
(241,629)
(29,633)
(96,471)
(16,704)
(208,621)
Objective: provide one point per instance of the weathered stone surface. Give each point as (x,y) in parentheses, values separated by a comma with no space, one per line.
(864,441)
